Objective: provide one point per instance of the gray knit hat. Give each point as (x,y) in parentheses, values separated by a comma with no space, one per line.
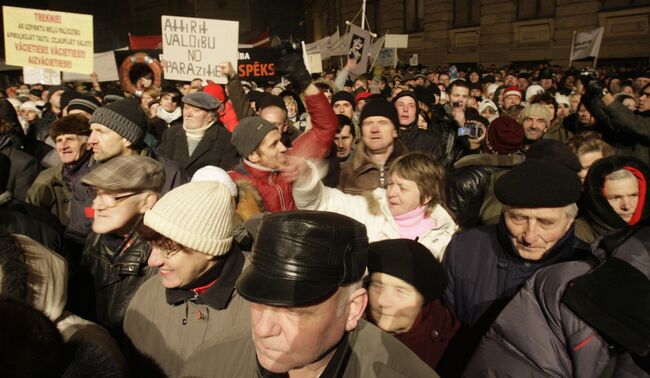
(249,134)
(197,215)
(127,173)
(125,117)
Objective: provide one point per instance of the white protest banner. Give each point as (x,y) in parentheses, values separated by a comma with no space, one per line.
(52,40)
(315,63)
(194,46)
(587,45)
(104,66)
(33,75)
(397,41)
(386,57)
(358,44)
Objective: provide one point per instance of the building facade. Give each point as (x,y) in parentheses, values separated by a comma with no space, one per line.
(499,32)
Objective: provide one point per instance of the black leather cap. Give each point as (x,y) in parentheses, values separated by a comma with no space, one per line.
(301,258)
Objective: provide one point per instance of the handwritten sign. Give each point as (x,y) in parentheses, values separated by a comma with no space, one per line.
(52,40)
(194,46)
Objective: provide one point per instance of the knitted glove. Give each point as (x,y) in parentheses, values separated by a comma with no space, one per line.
(293,67)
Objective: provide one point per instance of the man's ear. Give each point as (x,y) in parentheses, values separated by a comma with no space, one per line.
(357,302)
(254,157)
(126,143)
(148,201)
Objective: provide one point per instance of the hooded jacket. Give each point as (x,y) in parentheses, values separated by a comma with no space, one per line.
(574,320)
(415,138)
(599,217)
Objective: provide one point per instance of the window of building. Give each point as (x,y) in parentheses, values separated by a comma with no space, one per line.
(413,15)
(528,9)
(467,13)
(619,4)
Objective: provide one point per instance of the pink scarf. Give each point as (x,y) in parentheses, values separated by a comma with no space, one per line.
(414,224)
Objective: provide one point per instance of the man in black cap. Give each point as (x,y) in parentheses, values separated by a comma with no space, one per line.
(201,140)
(307,303)
(487,265)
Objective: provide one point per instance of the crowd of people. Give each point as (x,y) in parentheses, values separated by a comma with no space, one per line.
(411,222)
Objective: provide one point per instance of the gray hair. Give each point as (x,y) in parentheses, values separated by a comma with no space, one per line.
(621,174)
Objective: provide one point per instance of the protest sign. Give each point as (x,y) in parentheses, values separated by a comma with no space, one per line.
(194,46)
(32,75)
(386,58)
(104,66)
(398,41)
(257,63)
(45,39)
(358,44)
(586,45)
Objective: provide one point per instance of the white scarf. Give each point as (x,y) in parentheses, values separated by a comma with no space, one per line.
(167,116)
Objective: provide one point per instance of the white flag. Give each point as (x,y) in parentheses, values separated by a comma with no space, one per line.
(587,44)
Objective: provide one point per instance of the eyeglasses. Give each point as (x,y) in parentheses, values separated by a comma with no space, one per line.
(112,200)
(166,253)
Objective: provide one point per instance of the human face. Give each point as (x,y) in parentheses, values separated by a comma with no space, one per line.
(534,127)
(291,338)
(574,101)
(106,143)
(196,118)
(343,107)
(511,101)
(144,101)
(406,110)
(378,133)
(534,231)
(510,80)
(28,115)
(459,95)
(522,84)
(394,303)
(586,161)
(55,100)
(276,116)
(584,116)
(271,152)
(403,195)
(116,212)
(562,110)
(444,80)
(623,196)
(344,141)
(546,83)
(644,100)
(70,147)
(474,77)
(167,103)
(641,81)
(292,109)
(179,267)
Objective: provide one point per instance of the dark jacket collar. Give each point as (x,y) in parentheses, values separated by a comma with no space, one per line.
(218,295)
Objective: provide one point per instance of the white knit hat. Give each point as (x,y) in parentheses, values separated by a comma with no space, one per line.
(533,90)
(31,105)
(215,174)
(197,215)
(562,99)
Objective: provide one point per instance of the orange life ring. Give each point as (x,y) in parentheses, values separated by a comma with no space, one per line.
(127,64)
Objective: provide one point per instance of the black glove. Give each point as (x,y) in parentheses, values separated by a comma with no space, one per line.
(293,67)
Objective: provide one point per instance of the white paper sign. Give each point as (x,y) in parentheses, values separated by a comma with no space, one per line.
(398,41)
(587,44)
(413,60)
(33,75)
(194,46)
(103,65)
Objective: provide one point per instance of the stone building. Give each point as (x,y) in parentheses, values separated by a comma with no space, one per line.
(497,32)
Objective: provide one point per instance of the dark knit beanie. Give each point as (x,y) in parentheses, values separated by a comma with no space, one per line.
(382,108)
(125,117)
(271,100)
(85,103)
(504,136)
(68,96)
(76,124)
(249,133)
(409,261)
(343,96)
(555,151)
(425,95)
(538,183)
(472,114)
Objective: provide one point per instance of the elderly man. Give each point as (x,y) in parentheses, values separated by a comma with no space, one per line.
(487,265)
(535,119)
(193,297)
(511,97)
(113,261)
(201,140)
(307,303)
(52,189)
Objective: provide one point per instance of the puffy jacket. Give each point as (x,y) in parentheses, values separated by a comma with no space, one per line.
(271,186)
(372,210)
(565,323)
(468,184)
(110,279)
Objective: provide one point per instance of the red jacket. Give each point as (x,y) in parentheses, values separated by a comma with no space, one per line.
(313,144)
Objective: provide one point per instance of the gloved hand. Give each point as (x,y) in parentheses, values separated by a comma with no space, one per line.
(293,67)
